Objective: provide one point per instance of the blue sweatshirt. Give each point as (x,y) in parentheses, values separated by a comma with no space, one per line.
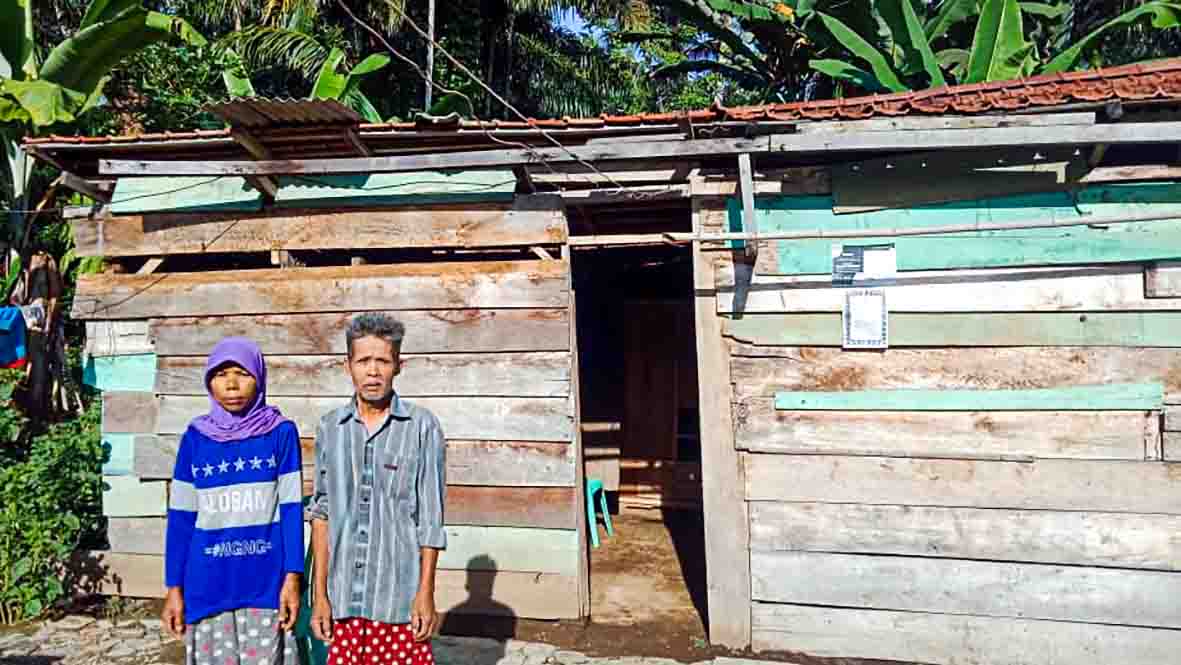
(235,523)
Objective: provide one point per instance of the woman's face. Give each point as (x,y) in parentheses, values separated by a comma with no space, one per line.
(233,388)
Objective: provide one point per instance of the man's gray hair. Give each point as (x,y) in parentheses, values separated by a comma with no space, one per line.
(375,324)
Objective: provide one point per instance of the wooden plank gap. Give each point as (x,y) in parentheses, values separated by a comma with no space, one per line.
(525,180)
(150,266)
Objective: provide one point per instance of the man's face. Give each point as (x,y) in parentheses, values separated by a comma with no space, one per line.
(373,365)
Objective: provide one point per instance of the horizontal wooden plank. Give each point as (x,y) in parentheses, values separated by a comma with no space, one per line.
(1171,447)
(528,220)
(762,371)
(136,535)
(523,595)
(954,640)
(999,329)
(511,548)
(130,412)
(117,338)
(507,593)
(1073,288)
(382,189)
(1015,435)
(535,507)
(1048,484)
(118,454)
(510,463)
(337,289)
(184,193)
(486,463)
(438,331)
(919,123)
(488,418)
(127,373)
(978,588)
(544,374)
(128,496)
(1173,418)
(1143,241)
(1163,280)
(1111,397)
(155,456)
(1074,538)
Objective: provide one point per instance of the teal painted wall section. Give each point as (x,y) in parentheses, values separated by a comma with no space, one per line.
(1082,244)
(1114,397)
(419,188)
(134,373)
(119,454)
(1159,329)
(184,194)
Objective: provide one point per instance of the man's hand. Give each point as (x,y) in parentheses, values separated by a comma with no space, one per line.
(173,615)
(322,619)
(424,620)
(289,602)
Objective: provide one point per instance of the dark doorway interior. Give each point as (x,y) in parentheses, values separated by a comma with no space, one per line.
(638,391)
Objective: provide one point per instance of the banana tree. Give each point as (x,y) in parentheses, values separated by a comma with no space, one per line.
(903,57)
(36,95)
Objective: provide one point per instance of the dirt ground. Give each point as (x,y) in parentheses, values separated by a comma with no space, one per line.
(648,598)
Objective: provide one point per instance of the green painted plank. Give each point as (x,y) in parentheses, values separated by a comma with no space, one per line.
(1122,242)
(1114,397)
(1161,329)
(128,496)
(419,188)
(511,548)
(118,454)
(184,194)
(134,373)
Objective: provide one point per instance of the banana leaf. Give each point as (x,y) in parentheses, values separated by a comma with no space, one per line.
(330,84)
(46,102)
(859,47)
(843,71)
(999,49)
(80,62)
(950,13)
(17,58)
(909,36)
(1164,15)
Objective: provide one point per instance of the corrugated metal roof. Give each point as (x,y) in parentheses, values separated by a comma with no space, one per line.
(254,112)
(286,121)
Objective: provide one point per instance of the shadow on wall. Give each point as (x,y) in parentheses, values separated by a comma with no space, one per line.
(479,615)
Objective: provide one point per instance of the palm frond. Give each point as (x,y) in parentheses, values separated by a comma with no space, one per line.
(265,47)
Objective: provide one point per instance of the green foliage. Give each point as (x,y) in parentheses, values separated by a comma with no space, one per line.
(999,49)
(50,501)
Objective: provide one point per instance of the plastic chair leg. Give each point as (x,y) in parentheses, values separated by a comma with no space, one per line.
(606,513)
(591,523)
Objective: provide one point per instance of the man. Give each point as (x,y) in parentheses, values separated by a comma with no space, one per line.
(377,511)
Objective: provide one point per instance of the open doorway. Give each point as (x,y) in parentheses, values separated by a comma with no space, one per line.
(639,397)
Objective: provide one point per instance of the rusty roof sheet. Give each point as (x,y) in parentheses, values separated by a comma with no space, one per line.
(1159,80)
(252,112)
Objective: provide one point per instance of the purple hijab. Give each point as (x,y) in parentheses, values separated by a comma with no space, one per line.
(258,418)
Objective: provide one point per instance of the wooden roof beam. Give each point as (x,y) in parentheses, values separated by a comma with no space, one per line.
(815,144)
(354,139)
(269,186)
(86,187)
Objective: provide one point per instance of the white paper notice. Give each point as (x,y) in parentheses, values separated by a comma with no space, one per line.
(866,320)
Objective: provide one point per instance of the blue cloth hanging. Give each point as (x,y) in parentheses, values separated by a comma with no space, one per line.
(12,337)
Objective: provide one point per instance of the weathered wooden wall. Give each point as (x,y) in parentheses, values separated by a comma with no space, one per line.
(487,350)
(997,487)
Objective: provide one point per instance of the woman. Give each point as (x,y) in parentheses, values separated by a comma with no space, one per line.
(234,548)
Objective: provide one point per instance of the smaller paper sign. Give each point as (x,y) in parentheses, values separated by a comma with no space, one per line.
(865,322)
(863,265)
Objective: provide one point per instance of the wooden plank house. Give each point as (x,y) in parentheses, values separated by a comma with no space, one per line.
(993,483)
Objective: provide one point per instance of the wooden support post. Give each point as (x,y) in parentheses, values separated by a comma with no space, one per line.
(268,185)
(576,441)
(525,179)
(747,186)
(541,253)
(1097,154)
(85,187)
(358,261)
(281,258)
(727,525)
(354,140)
(151,266)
